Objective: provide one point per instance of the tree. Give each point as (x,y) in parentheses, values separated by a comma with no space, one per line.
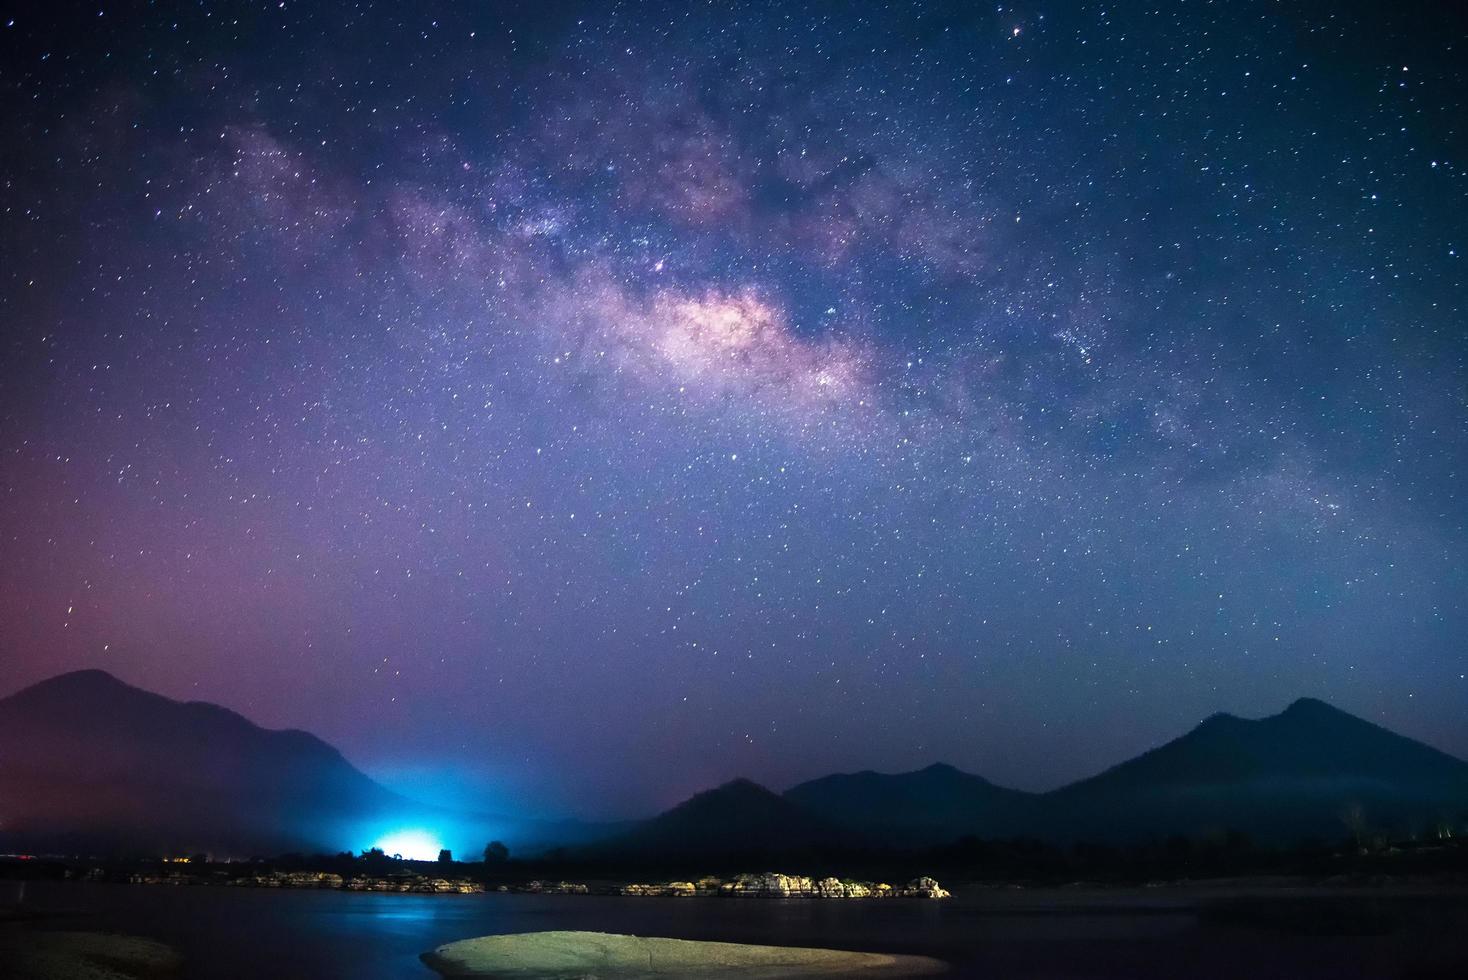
(445,856)
(496,853)
(374,860)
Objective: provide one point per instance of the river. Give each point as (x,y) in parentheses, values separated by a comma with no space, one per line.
(1256,932)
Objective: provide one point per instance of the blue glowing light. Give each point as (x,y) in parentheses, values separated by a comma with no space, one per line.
(415,844)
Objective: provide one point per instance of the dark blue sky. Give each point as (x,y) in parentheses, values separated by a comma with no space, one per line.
(568,407)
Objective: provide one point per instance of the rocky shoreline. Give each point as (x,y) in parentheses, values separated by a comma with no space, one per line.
(789,886)
(768,885)
(402,884)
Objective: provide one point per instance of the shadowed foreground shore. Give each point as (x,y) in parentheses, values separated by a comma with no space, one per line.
(546,955)
(37,955)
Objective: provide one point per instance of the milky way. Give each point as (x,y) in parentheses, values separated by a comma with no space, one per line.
(566,407)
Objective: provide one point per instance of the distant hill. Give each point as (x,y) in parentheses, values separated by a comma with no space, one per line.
(91,764)
(1311,771)
(736,820)
(935,805)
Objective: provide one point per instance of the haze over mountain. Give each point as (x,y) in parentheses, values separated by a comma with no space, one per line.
(930,806)
(739,819)
(89,763)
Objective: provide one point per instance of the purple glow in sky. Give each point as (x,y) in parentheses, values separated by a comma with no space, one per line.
(566,407)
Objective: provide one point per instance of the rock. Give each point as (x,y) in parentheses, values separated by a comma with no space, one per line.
(772,885)
(830,888)
(307,879)
(670,889)
(769,885)
(641,891)
(554,888)
(542,955)
(924,888)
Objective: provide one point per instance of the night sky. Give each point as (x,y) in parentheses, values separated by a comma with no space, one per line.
(566,407)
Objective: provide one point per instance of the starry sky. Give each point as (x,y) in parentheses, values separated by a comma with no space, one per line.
(562,407)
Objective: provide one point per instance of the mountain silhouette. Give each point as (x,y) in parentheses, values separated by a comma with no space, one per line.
(740,819)
(89,763)
(930,806)
(1311,771)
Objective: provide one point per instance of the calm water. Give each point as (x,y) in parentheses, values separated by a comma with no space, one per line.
(227,932)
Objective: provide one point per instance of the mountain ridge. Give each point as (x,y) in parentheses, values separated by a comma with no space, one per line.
(920,807)
(736,820)
(89,761)
(92,681)
(1311,770)
(108,762)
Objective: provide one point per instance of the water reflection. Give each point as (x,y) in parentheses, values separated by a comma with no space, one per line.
(240,932)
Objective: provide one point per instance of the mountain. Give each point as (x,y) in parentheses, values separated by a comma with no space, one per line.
(935,805)
(89,763)
(739,819)
(1311,771)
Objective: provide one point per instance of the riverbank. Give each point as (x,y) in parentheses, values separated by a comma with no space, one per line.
(1217,930)
(30,954)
